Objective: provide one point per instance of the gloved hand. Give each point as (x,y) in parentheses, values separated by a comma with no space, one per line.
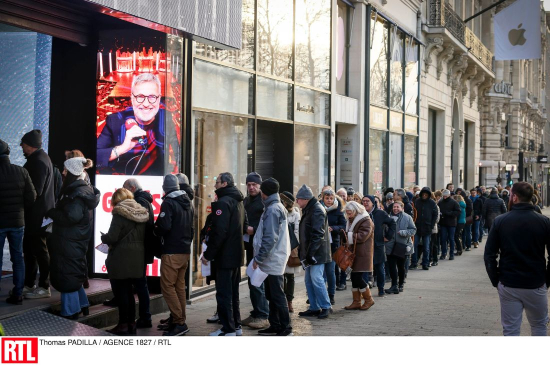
(310,260)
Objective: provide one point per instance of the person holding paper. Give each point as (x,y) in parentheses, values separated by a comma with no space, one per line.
(254,210)
(225,250)
(314,252)
(271,252)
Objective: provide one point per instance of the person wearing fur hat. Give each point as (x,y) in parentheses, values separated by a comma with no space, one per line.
(16,195)
(35,250)
(71,233)
(360,232)
(314,252)
(293,265)
(125,259)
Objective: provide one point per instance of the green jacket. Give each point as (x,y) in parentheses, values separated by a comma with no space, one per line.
(125,238)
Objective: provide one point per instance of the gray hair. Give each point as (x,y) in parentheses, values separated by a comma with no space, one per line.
(353,206)
(145,77)
(342,189)
(132,183)
(227,178)
(400,192)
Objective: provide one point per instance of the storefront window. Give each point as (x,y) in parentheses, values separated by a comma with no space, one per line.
(396,78)
(313,43)
(243,57)
(341,54)
(311,156)
(410,160)
(379,63)
(274,99)
(222,88)
(377,160)
(312,107)
(221,144)
(411,76)
(275,28)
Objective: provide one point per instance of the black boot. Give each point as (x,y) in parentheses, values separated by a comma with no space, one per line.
(331,297)
(401,288)
(392,290)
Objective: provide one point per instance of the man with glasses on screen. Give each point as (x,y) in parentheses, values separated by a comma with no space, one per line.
(132,141)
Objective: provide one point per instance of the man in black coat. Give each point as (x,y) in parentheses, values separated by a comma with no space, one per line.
(145,199)
(225,250)
(522,274)
(492,208)
(175,225)
(16,194)
(450,211)
(314,252)
(254,208)
(384,231)
(426,218)
(467,232)
(40,169)
(477,212)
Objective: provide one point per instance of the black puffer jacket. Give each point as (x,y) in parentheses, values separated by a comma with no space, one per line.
(384,227)
(408,206)
(478,208)
(40,169)
(188,190)
(71,234)
(314,234)
(16,194)
(225,240)
(493,207)
(175,223)
(337,222)
(427,213)
(450,211)
(145,199)
(254,210)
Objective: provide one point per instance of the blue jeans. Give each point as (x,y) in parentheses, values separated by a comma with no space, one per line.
(380,276)
(426,250)
(260,306)
(72,303)
(467,236)
(15,239)
(447,234)
(481,232)
(316,289)
(475,231)
(330,277)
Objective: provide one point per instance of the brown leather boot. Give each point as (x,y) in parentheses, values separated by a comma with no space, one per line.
(368,299)
(356,300)
(290,307)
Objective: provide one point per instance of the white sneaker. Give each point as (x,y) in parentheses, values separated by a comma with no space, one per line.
(222,333)
(239,331)
(26,289)
(39,293)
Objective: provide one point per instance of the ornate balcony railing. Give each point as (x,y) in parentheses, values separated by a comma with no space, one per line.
(478,49)
(441,14)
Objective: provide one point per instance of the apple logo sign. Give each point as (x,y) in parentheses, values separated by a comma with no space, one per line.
(515,36)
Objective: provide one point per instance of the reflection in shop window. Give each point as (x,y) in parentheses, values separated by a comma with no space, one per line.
(377,160)
(312,107)
(243,57)
(274,99)
(275,27)
(396,77)
(379,62)
(311,149)
(221,144)
(411,76)
(313,43)
(410,160)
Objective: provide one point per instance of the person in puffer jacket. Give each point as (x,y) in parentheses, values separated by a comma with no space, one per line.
(492,208)
(293,219)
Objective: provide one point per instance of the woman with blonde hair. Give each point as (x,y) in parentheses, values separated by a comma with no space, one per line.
(126,257)
(71,233)
(358,198)
(360,232)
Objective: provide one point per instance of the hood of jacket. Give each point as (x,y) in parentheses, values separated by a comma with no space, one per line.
(426,189)
(144,195)
(273,198)
(132,210)
(493,196)
(181,197)
(230,191)
(80,189)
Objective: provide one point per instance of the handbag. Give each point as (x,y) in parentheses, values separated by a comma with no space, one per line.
(294,261)
(343,257)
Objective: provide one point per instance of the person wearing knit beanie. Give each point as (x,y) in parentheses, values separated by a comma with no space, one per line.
(270,186)
(170,183)
(372,199)
(254,177)
(75,165)
(304,193)
(33,138)
(289,196)
(4,148)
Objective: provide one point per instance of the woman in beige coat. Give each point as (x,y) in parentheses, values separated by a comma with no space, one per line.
(360,231)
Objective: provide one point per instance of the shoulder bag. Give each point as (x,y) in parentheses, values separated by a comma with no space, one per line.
(343,257)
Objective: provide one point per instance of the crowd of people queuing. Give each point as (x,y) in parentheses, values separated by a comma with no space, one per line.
(47,218)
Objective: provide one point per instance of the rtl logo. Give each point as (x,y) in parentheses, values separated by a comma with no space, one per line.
(19,350)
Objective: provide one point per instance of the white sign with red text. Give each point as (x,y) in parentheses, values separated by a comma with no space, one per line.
(107,184)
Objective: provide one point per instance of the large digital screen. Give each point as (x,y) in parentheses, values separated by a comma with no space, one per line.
(138,118)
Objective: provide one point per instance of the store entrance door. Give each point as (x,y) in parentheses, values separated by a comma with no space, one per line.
(396,161)
(275,152)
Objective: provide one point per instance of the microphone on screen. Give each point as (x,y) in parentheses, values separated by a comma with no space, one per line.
(129,124)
